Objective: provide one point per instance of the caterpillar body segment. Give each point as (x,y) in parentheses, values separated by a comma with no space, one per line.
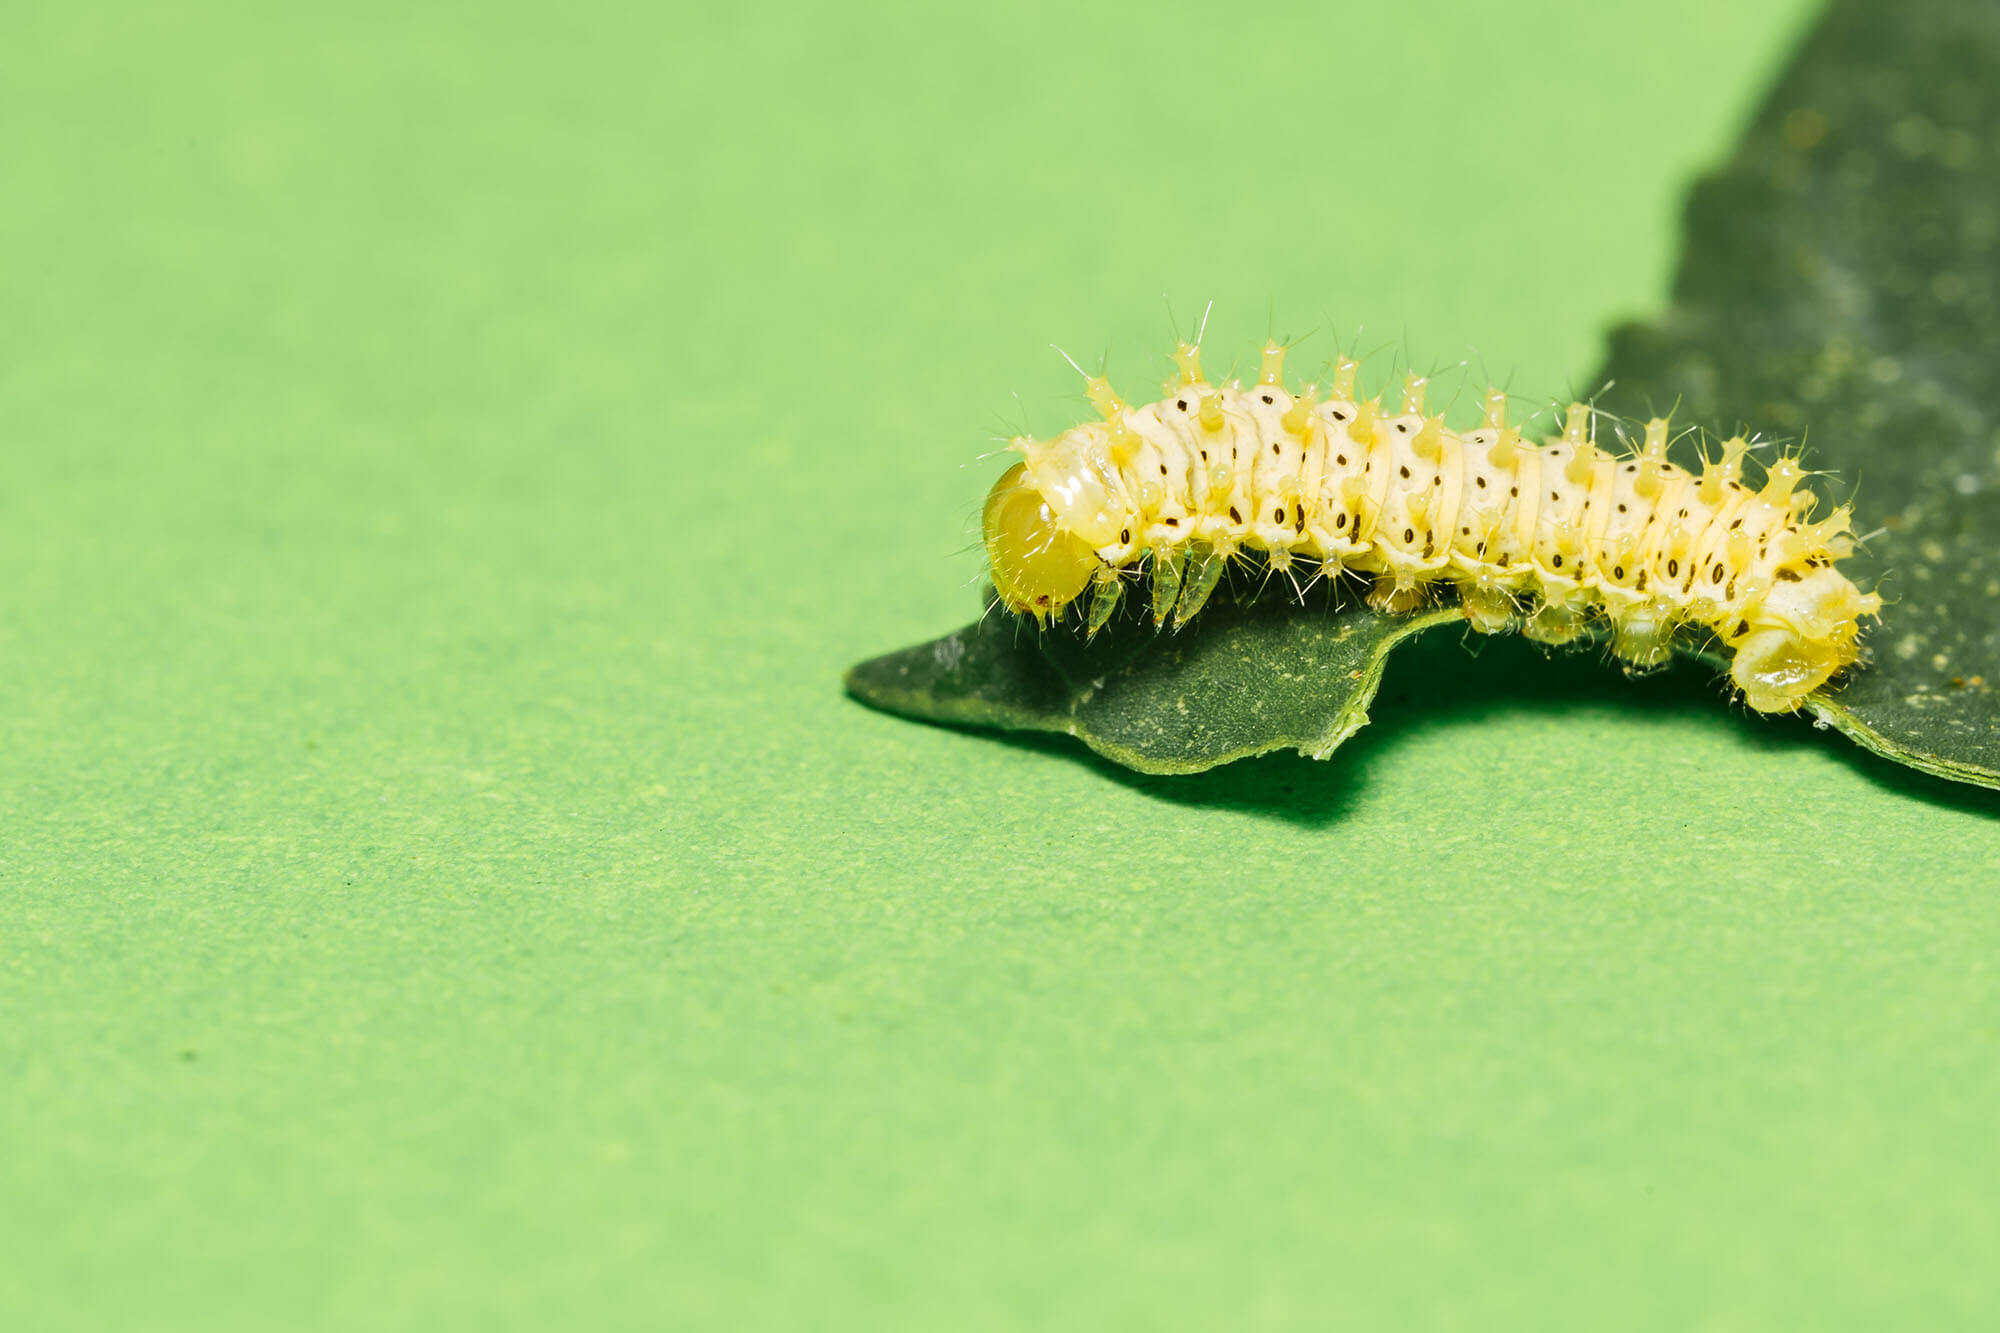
(1542,537)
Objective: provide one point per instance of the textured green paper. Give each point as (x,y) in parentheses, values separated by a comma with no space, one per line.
(452,452)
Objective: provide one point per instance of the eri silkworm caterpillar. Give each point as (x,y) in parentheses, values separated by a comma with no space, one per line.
(1545,538)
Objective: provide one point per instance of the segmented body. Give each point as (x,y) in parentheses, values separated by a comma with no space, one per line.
(1543,537)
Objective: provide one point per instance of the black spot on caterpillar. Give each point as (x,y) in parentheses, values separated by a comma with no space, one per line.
(1417,511)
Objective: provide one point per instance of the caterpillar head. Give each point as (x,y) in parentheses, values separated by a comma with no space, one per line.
(1038,565)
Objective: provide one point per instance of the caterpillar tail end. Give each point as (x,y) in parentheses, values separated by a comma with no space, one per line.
(1805,632)
(1776,669)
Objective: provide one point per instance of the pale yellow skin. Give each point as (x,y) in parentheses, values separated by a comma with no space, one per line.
(1555,533)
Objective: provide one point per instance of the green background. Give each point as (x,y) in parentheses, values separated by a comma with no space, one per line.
(450,458)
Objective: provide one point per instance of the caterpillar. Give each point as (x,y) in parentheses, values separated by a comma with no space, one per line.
(1546,538)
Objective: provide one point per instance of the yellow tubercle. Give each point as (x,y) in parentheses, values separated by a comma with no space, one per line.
(1210,411)
(1494,404)
(1413,393)
(1274,365)
(1344,369)
(1428,443)
(1187,357)
(1576,426)
(1716,475)
(1124,443)
(1103,397)
(1299,415)
(1362,429)
(1830,530)
(1035,451)
(1652,459)
(1582,465)
(1577,435)
(1783,478)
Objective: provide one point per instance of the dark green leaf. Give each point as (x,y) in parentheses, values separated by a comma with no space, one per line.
(1245,676)
(1841,281)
